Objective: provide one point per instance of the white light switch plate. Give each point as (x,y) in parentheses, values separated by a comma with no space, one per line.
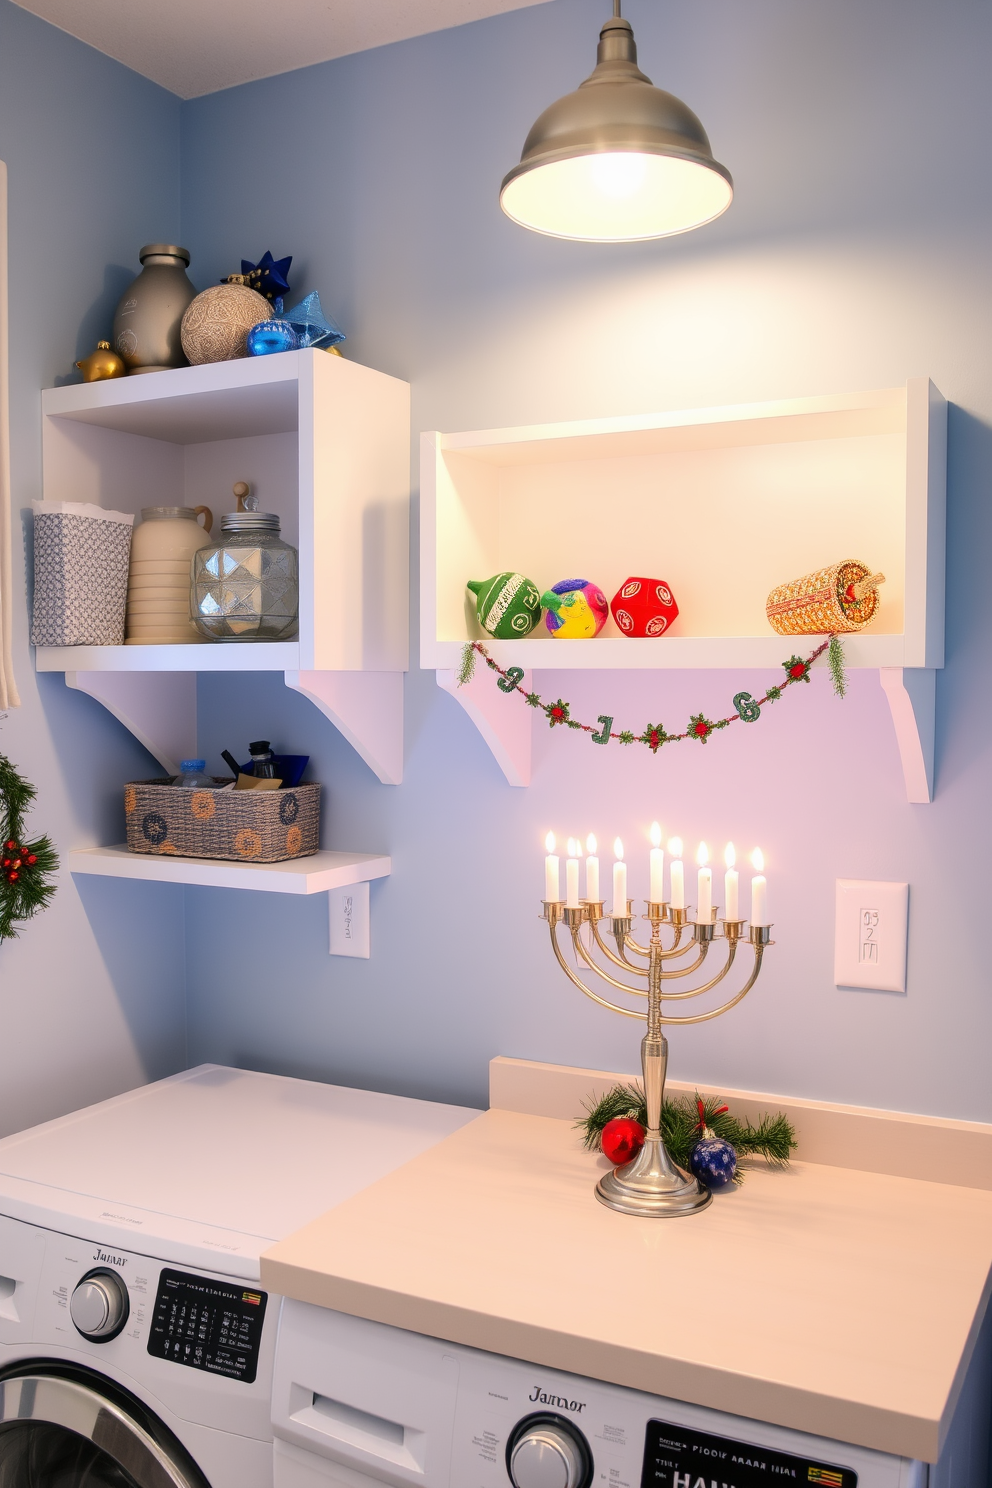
(871,930)
(350,920)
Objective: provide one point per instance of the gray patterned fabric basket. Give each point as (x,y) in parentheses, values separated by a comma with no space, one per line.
(246,826)
(81,555)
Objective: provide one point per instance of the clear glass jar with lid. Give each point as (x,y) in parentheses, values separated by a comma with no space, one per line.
(246,587)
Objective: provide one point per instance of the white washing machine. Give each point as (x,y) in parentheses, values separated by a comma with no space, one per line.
(136,1345)
(356,1404)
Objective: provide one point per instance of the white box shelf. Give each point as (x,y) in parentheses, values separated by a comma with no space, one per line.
(722,503)
(325,443)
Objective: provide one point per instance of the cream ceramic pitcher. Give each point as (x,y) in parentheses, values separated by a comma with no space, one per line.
(162,549)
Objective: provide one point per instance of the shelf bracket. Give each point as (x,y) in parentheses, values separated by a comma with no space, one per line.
(502,722)
(158,708)
(367,708)
(911,693)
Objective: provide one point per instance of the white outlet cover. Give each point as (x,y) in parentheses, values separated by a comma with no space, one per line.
(349,909)
(870,935)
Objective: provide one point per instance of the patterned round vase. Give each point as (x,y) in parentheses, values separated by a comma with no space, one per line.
(216,325)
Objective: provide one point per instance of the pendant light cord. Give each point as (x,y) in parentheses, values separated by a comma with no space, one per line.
(616,10)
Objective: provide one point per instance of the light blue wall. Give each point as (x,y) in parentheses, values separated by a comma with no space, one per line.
(92,994)
(855,255)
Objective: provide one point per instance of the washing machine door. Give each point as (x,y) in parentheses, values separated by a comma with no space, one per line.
(62,1427)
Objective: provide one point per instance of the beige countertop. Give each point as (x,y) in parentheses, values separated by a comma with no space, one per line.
(836,1301)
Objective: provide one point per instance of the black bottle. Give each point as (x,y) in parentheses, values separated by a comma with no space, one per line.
(262,764)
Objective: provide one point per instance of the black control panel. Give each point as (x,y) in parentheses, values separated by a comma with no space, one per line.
(206,1324)
(678,1457)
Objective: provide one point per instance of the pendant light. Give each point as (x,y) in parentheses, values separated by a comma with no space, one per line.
(618,160)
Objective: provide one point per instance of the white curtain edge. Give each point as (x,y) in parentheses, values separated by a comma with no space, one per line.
(8,688)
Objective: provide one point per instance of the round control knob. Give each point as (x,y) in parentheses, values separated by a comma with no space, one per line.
(548,1454)
(99,1306)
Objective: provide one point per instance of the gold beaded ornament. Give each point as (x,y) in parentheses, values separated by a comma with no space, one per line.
(832,600)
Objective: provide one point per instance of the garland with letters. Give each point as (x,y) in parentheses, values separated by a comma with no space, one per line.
(747,708)
(25,867)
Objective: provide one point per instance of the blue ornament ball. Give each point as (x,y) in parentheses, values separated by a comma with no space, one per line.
(713,1163)
(270,336)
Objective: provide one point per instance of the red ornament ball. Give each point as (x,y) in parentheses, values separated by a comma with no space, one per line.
(799,670)
(622,1139)
(644,607)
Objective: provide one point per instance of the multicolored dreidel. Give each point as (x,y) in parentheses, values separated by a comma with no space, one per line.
(577,610)
(644,607)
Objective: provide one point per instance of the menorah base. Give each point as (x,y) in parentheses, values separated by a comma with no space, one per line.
(652,1186)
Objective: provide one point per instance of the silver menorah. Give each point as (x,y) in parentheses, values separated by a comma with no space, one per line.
(651,1184)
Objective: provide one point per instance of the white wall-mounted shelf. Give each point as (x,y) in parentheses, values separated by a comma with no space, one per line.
(325,444)
(722,503)
(312,875)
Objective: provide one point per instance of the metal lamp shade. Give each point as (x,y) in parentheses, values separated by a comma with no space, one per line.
(618,160)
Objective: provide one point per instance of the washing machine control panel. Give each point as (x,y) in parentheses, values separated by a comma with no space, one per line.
(207,1324)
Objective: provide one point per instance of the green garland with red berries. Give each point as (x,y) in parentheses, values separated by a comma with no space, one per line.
(747,708)
(25,866)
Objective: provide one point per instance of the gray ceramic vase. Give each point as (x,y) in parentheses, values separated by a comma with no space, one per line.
(151,309)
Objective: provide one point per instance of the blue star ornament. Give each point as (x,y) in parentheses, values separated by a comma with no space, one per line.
(269,275)
(311,325)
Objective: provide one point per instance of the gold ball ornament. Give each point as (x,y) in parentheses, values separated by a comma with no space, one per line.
(216,324)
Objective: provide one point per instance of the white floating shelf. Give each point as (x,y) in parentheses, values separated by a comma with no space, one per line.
(722,504)
(312,875)
(246,656)
(325,443)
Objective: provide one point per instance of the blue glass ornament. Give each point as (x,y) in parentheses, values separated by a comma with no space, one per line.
(311,325)
(268,276)
(713,1162)
(270,336)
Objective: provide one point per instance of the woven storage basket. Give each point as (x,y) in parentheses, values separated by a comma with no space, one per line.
(814,604)
(246,826)
(81,557)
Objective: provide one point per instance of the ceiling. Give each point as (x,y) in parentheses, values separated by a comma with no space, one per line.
(193,47)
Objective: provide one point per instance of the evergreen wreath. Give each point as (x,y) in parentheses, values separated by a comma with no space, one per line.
(25,867)
(773,1138)
(747,709)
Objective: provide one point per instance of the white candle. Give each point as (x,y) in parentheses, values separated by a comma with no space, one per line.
(704,887)
(552,883)
(731,897)
(592,871)
(676,875)
(759,891)
(572,875)
(619,882)
(657,889)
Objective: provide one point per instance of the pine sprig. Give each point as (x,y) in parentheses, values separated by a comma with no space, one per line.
(30,891)
(774,1137)
(835,661)
(466,670)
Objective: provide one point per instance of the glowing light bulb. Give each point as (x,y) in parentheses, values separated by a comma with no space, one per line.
(618,174)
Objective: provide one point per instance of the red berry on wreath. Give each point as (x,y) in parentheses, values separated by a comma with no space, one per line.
(622,1139)
(799,670)
(12,843)
(12,877)
(32,857)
